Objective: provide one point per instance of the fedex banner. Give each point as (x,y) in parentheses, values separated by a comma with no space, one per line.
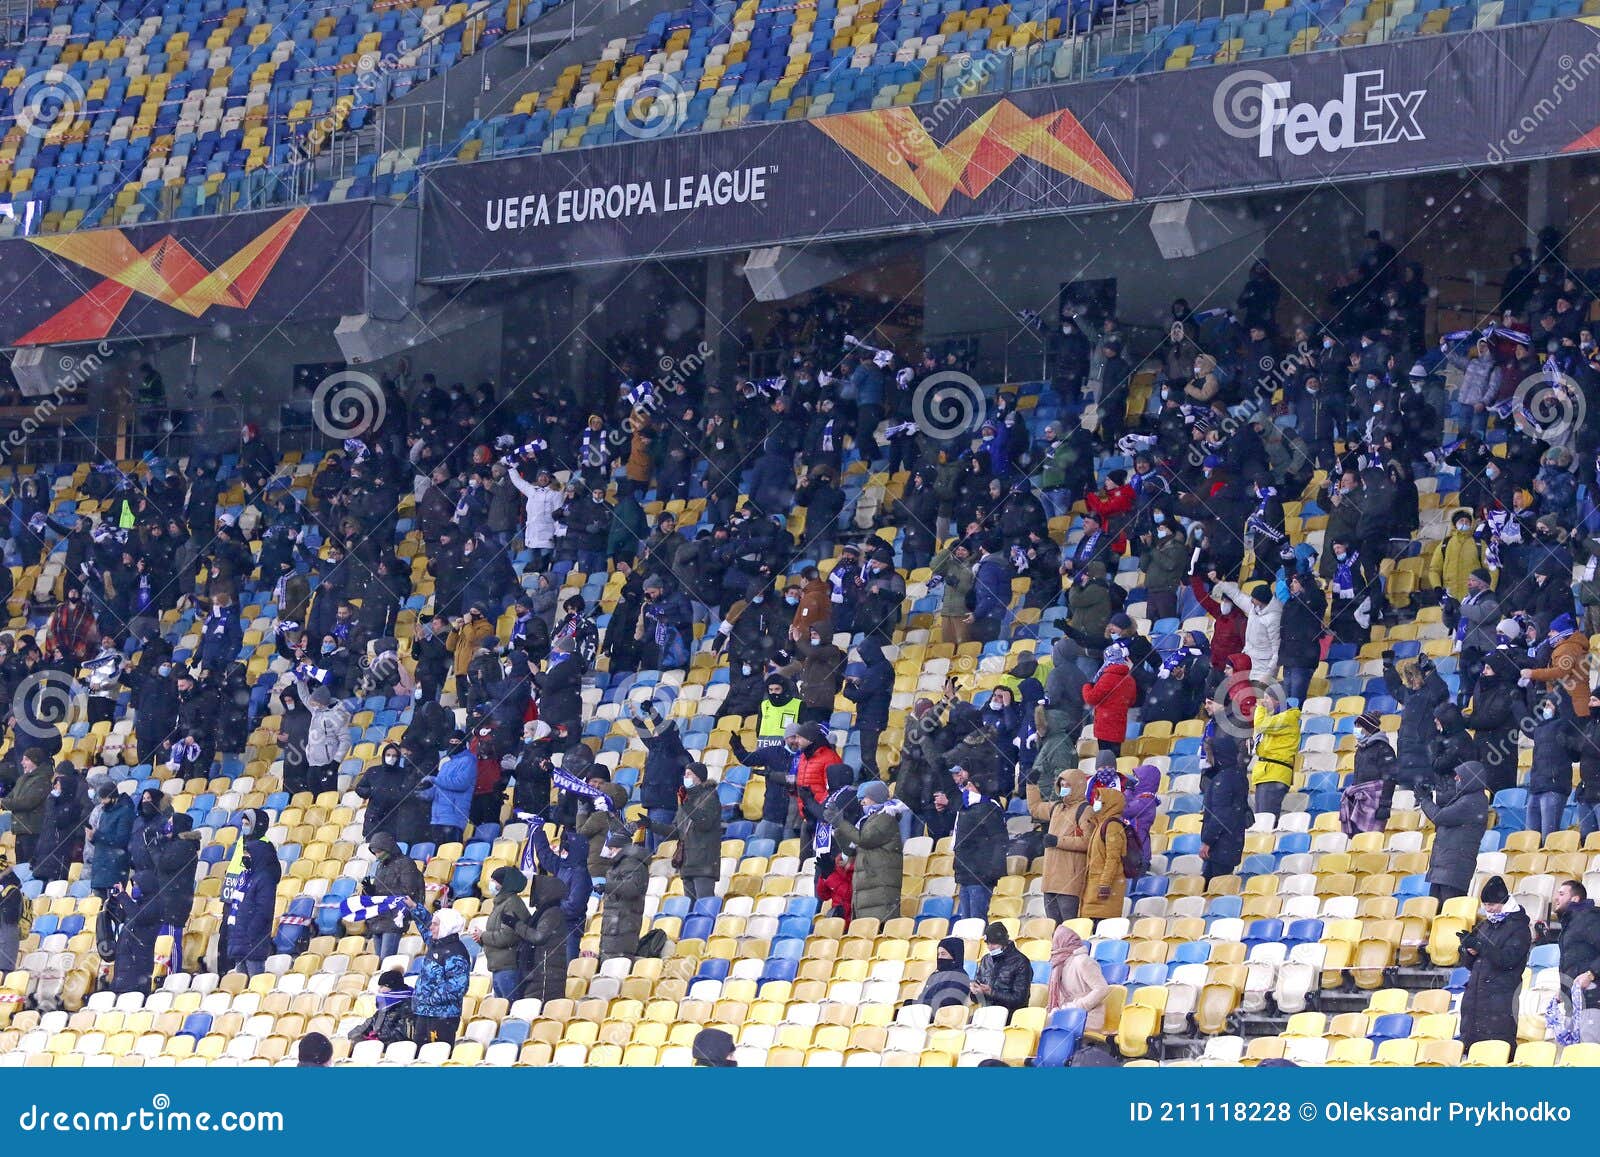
(1476,98)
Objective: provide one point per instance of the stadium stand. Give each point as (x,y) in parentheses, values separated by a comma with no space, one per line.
(1319,943)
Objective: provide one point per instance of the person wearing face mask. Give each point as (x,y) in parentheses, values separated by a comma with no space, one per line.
(1459,812)
(72,628)
(507,934)
(1165,562)
(30,785)
(1557,743)
(1496,950)
(953,567)
(979,843)
(386,784)
(1005,977)
(1455,558)
(110,836)
(393,874)
(1108,838)
(151,813)
(327,737)
(697,827)
(1066,847)
(1561,662)
(817,671)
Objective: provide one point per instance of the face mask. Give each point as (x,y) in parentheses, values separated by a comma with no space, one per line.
(392,760)
(689,781)
(1163,533)
(165,669)
(1377,408)
(1096,805)
(792,600)
(1158,518)
(745,669)
(1165,393)
(1327,343)
(1197,370)
(1547,713)
(56,791)
(327,648)
(816,640)
(494,887)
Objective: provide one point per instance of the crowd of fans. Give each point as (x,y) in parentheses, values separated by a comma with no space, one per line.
(1241,417)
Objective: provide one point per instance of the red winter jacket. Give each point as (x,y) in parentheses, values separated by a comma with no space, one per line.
(1112,696)
(837,888)
(1227,636)
(1113,506)
(812,774)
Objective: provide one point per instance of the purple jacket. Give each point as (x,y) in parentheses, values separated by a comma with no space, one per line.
(1143,803)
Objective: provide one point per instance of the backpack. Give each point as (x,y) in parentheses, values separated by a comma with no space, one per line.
(25,911)
(654,945)
(1134,862)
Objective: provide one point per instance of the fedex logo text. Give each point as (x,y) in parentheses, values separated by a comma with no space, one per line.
(1364,113)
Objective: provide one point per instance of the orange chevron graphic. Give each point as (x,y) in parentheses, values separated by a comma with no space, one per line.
(166,272)
(896,144)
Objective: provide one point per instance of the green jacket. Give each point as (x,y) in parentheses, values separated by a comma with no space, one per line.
(958,578)
(1058,749)
(698,828)
(1166,564)
(26,800)
(875,889)
(508,928)
(1090,603)
(593,824)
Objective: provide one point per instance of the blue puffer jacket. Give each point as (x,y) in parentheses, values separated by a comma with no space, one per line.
(251,909)
(571,866)
(111,838)
(451,791)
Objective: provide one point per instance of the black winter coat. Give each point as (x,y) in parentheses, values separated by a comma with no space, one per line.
(1300,633)
(1459,814)
(1414,740)
(980,844)
(1489,1006)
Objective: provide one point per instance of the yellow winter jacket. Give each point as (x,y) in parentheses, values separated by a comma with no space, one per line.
(1456,557)
(1277,740)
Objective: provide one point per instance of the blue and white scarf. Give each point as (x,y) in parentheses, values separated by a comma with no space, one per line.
(1501,528)
(827,437)
(1344,583)
(1565,1027)
(822,838)
(566,781)
(1461,623)
(365,908)
(640,394)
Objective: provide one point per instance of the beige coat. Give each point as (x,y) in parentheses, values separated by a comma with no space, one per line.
(1107,841)
(1066,865)
(1086,988)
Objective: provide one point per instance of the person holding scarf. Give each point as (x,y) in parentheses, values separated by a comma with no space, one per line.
(1351,621)
(442,976)
(393,1019)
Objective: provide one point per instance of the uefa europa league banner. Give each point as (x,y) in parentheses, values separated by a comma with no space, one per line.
(1476,98)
